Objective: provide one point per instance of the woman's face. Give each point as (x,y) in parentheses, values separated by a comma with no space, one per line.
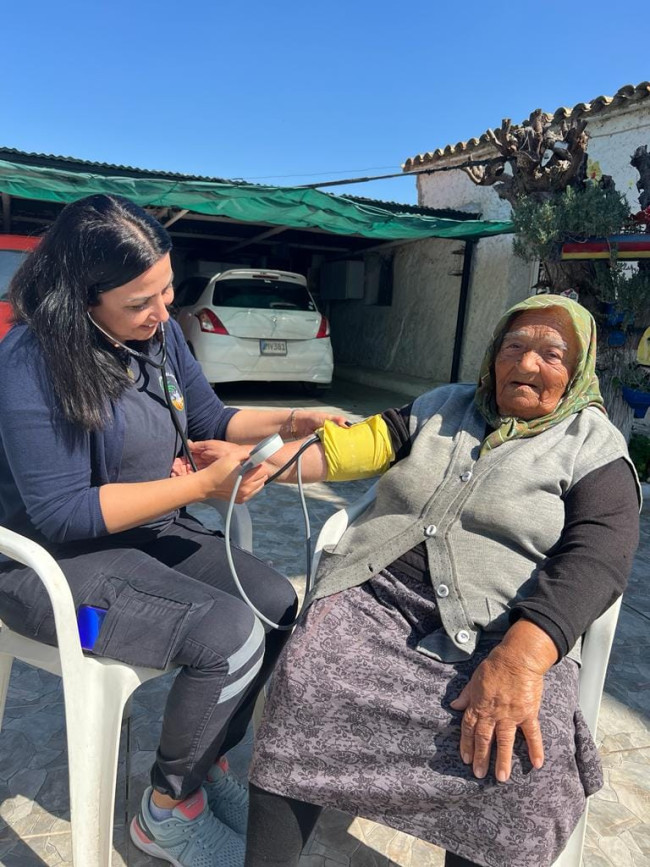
(535,363)
(134,310)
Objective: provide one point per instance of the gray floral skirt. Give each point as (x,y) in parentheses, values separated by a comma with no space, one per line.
(359,720)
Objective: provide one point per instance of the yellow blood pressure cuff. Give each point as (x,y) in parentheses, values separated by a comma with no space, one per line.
(358,452)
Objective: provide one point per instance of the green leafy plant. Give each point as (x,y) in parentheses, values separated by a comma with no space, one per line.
(634,376)
(639,447)
(576,214)
(625,285)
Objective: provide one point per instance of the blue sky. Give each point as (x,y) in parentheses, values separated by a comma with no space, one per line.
(292,92)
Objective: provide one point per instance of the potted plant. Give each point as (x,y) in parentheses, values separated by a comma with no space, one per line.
(635,387)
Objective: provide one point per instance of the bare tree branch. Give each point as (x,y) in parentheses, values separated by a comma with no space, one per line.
(545,157)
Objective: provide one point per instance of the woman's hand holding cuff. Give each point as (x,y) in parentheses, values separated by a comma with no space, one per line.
(220,476)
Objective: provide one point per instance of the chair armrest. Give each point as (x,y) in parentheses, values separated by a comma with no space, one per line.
(596,647)
(241,526)
(337,524)
(31,554)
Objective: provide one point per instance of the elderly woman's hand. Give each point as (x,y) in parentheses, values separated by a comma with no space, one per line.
(504,694)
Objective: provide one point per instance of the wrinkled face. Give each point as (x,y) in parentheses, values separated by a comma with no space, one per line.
(134,310)
(535,363)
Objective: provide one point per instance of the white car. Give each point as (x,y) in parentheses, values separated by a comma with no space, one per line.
(254,324)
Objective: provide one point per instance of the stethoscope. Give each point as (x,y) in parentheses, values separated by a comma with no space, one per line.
(161,366)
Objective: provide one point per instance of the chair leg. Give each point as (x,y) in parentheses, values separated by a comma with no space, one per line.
(93,749)
(6,661)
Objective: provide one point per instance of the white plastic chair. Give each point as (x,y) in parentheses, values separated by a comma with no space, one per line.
(596,647)
(96,692)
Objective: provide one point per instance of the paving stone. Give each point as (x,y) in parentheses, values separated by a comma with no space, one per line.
(47,758)
(617,849)
(426,855)
(27,782)
(609,819)
(625,741)
(15,752)
(54,794)
(631,782)
(16,808)
(593,857)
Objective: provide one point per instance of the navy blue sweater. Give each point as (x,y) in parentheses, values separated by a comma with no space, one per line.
(50,470)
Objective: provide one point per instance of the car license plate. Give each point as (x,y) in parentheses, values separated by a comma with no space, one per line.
(273,347)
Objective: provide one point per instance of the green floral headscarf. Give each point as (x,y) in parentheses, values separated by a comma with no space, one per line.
(582,391)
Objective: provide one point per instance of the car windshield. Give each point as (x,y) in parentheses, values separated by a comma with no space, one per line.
(261,293)
(9,262)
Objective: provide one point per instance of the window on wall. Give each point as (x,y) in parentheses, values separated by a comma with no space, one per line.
(385,292)
(379,281)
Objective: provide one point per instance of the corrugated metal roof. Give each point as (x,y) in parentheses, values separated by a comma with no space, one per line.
(72,164)
(400,208)
(626,95)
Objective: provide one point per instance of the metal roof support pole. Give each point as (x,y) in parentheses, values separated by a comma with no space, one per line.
(269,233)
(175,217)
(465,283)
(6,213)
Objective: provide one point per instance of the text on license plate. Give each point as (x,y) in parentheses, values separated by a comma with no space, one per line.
(273,347)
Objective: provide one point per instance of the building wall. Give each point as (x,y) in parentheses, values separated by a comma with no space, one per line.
(613,138)
(414,335)
(498,278)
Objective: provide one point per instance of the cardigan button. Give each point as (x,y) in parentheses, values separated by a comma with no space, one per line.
(466,476)
(463,636)
(442,591)
(431,530)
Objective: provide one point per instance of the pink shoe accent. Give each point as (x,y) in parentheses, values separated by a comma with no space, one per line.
(223,764)
(193,806)
(137,830)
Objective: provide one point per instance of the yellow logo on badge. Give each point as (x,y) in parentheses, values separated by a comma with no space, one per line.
(174,393)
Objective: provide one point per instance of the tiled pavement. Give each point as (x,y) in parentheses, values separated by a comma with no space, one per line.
(34,817)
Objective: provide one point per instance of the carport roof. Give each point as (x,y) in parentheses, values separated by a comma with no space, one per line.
(63,179)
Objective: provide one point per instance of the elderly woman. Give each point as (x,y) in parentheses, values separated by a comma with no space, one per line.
(433,684)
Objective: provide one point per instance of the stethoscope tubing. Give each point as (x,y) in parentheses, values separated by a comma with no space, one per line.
(161,366)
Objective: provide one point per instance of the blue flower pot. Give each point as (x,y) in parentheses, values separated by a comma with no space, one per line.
(638,400)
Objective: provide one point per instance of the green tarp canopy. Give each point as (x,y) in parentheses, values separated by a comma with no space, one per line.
(281,206)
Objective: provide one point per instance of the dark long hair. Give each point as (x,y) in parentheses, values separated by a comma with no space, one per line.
(96,244)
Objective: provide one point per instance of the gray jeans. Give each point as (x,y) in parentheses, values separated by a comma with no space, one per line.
(172,601)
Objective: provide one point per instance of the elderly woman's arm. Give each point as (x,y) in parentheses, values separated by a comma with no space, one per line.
(584,575)
(590,567)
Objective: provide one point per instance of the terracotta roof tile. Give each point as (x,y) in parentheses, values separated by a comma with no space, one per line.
(626,95)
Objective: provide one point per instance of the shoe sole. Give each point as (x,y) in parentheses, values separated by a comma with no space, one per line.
(143,843)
